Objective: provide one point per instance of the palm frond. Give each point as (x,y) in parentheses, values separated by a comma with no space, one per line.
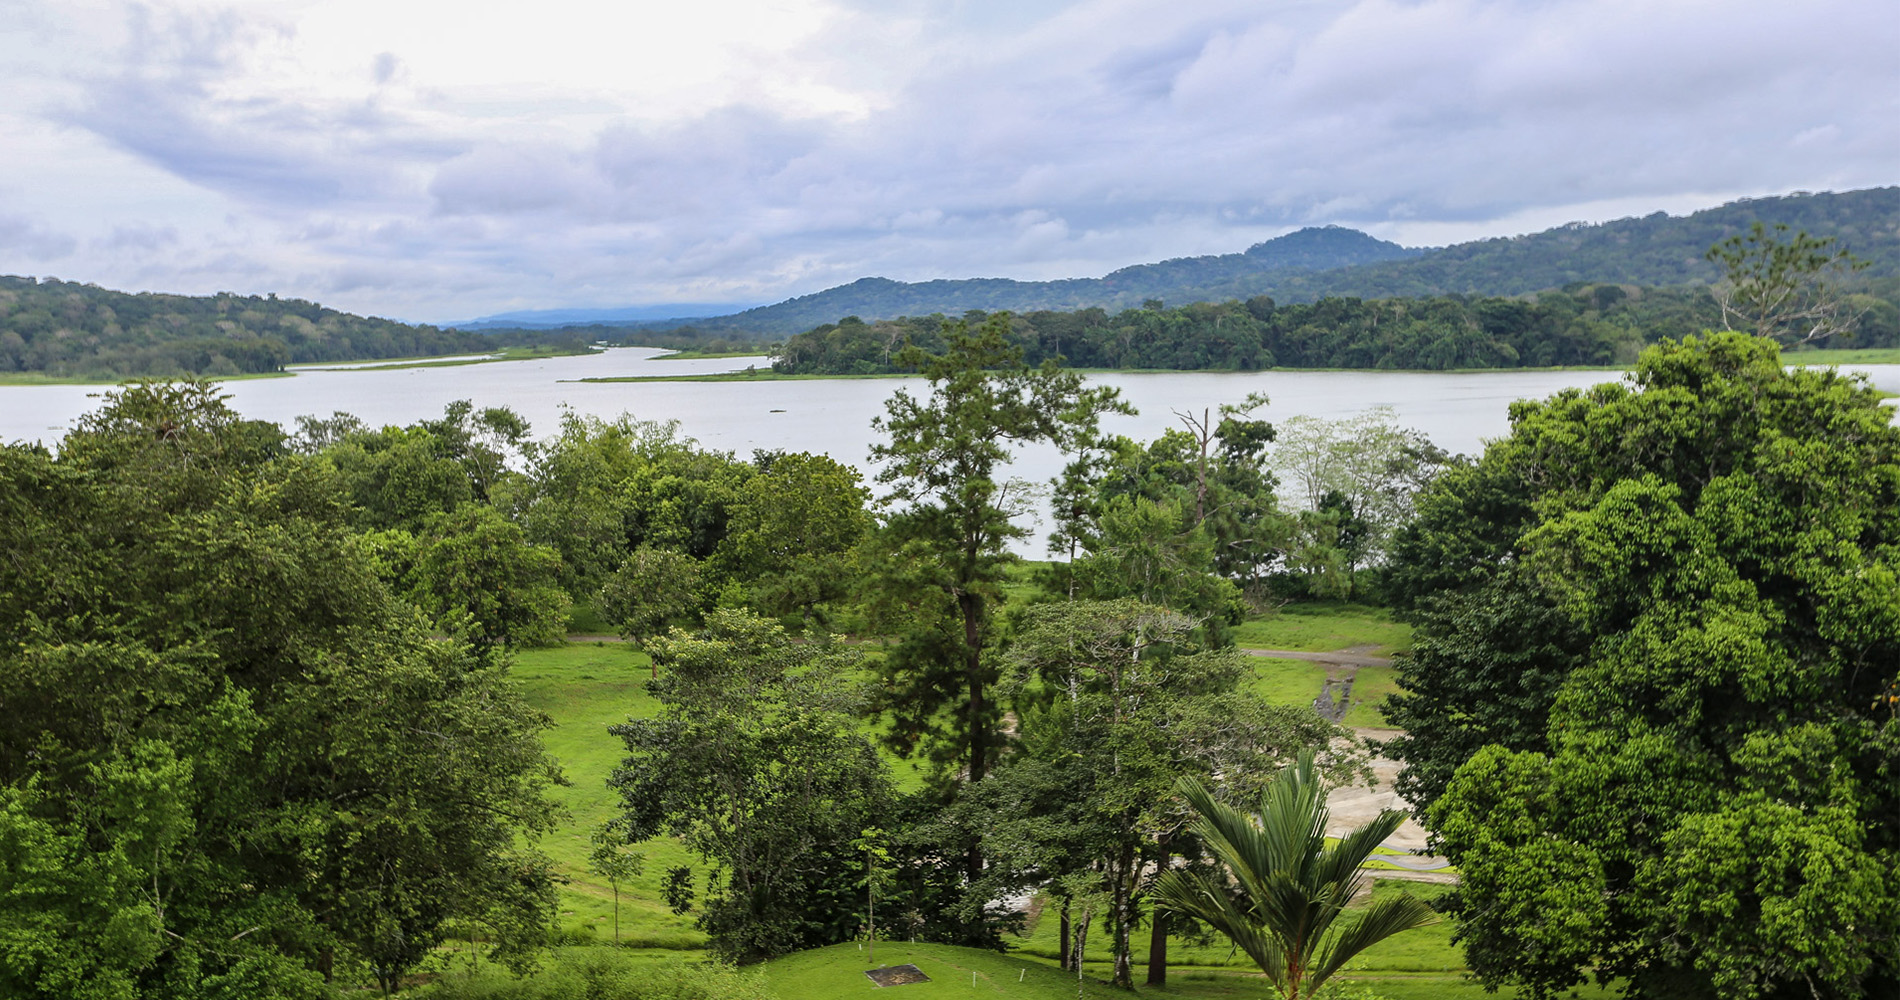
(1384,918)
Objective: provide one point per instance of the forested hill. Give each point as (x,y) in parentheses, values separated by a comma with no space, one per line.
(1657,250)
(1303,252)
(69,329)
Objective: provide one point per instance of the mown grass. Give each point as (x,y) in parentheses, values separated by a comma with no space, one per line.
(1370,687)
(522,353)
(584,689)
(41,378)
(1320,627)
(1852,356)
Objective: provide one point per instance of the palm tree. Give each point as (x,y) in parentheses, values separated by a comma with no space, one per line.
(1288,891)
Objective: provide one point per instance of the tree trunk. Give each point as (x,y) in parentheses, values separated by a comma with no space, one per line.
(1124,919)
(1064,932)
(972,609)
(1158,924)
(1158,948)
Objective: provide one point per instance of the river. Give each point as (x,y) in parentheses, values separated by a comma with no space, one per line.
(1457,411)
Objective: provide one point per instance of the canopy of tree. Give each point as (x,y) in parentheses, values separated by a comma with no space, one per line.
(232,762)
(1652,705)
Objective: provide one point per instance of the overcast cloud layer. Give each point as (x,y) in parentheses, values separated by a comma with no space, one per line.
(441,160)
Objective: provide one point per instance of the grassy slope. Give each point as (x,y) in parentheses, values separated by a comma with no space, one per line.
(1324,627)
(585,689)
(1420,964)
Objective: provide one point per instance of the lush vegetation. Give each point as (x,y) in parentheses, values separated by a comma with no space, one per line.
(288,712)
(69,329)
(1593,325)
(1651,704)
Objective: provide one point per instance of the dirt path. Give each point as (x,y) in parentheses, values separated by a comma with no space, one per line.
(1354,657)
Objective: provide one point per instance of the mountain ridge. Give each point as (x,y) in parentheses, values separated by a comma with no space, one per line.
(1655,250)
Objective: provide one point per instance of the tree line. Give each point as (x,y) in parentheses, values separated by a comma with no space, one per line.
(1598,325)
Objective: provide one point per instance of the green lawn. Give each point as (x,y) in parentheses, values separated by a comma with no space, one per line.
(585,689)
(960,972)
(1856,356)
(1288,682)
(1370,686)
(1326,627)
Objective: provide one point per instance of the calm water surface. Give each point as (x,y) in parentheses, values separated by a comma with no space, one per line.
(1458,411)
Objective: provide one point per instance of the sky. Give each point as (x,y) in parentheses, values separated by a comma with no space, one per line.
(435,161)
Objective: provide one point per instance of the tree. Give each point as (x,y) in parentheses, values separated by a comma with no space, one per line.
(756,760)
(792,534)
(652,591)
(945,540)
(263,768)
(1214,472)
(877,881)
(1288,891)
(1785,288)
(479,575)
(1355,480)
(1691,791)
(1116,706)
(611,858)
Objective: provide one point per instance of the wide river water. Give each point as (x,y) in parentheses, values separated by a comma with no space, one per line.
(1457,411)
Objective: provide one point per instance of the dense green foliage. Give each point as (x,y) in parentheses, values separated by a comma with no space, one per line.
(71,329)
(232,762)
(1590,325)
(757,762)
(942,554)
(1652,699)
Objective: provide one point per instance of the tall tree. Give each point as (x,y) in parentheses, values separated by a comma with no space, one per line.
(756,760)
(946,538)
(1783,287)
(1694,790)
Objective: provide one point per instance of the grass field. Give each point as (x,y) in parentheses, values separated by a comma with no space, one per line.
(586,687)
(1858,356)
(1326,627)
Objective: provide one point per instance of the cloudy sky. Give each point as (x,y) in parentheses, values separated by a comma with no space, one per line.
(442,159)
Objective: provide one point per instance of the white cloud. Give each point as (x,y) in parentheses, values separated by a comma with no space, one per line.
(439,160)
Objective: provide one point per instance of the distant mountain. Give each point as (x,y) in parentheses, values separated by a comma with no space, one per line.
(548,319)
(1308,250)
(1657,250)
